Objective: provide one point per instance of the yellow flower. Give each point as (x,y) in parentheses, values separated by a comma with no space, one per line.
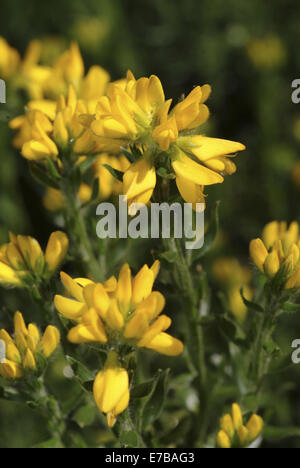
(111,389)
(278,250)
(139,182)
(267,52)
(22,353)
(22,260)
(234,276)
(233,434)
(9,60)
(126,310)
(49,127)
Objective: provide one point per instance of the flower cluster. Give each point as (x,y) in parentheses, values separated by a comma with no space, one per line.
(278,250)
(234,276)
(22,261)
(25,351)
(47,82)
(119,311)
(233,434)
(137,113)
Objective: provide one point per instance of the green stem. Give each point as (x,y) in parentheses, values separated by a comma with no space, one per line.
(195,341)
(76,226)
(50,409)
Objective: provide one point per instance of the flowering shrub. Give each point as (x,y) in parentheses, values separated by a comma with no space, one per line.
(87,139)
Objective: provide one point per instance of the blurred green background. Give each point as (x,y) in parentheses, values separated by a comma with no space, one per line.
(249,53)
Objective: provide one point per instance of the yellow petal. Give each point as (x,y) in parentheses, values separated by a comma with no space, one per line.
(56,250)
(49,341)
(226,424)
(109,387)
(188,169)
(237,416)
(223,440)
(142,284)
(29,361)
(139,181)
(258,253)
(10,370)
(8,275)
(190,192)
(69,308)
(165,344)
(255,426)
(72,286)
(124,289)
(243,435)
(161,324)
(272,265)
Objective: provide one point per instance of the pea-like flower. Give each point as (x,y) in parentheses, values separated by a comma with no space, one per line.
(22,260)
(137,113)
(233,276)
(27,350)
(111,389)
(278,250)
(9,59)
(119,311)
(234,434)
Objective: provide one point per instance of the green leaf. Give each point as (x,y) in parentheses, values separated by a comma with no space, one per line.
(142,390)
(80,370)
(85,415)
(155,403)
(50,443)
(251,305)
(52,169)
(116,174)
(87,163)
(42,177)
(288,307)
(129,155)
(170,256)
(278,433)
(210,234)
(129,439)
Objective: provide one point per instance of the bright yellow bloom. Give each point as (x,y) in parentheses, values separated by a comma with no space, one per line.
(9,60)
(22,260)
(48,127)
(233,434)
(279,250)
(111,389)
(119,311)
(45,82)
(138,114)
(23,352)
(234,276)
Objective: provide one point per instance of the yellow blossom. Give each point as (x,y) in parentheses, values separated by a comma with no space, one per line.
(233,433)
(22,259)
(9,59)
(234,276)
(111,389)
(125,309)
(278,250)
(22,353)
